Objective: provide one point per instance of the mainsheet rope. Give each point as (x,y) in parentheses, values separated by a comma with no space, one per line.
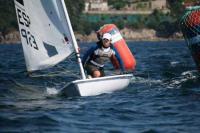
(62,70)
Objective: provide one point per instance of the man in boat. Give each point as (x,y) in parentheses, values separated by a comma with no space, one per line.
(97,56)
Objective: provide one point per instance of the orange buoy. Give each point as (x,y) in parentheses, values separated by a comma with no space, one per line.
(126,56)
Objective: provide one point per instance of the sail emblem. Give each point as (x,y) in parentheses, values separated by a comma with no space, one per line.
(21,2)
(51,50)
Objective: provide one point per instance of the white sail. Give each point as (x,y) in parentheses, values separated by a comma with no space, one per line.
(45,33)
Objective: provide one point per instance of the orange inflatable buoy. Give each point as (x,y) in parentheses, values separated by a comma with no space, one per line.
(126,56)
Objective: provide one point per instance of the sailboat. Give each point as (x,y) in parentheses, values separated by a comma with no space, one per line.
(47,39)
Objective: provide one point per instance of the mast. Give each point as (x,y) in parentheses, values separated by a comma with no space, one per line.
(74,41)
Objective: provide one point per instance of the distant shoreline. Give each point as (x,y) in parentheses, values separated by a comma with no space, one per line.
(134,35)
(128,34)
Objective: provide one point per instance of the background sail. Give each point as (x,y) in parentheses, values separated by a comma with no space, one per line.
(190,26)
(45,35)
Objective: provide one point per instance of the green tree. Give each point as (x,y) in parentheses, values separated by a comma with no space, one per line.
(8,19)
(75,9)
(176,8)
(7,15)
(117,4)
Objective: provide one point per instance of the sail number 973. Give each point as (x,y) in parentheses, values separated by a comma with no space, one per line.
(24,20)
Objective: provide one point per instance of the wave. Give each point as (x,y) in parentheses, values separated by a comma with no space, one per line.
(189,78)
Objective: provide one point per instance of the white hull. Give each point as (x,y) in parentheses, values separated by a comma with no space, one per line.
(97,86)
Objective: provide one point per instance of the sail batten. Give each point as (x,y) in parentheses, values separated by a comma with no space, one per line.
(45,35)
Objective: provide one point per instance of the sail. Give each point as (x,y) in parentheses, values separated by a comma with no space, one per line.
(190,27)
(45,34)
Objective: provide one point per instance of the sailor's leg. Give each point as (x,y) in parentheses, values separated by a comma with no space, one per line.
(96,74)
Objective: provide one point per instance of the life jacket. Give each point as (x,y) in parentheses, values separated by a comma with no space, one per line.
(101,56)
(98,56)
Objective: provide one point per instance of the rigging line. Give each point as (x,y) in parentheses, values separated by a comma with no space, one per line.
(58,73)
(49,74)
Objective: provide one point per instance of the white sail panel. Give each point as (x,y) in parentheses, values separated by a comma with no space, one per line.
(45,35)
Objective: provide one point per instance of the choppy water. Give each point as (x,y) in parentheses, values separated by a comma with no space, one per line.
(163,98)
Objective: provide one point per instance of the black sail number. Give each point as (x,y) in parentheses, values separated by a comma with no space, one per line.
(25,22)
(30,39)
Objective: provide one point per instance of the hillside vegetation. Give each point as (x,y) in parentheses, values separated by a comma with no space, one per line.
(84,24)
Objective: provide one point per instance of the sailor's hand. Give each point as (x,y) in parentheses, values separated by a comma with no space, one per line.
(79,49)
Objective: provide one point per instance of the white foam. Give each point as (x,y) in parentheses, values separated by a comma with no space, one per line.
(174,63)
(52,91)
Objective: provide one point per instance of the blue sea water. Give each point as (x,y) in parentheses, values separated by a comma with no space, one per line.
(164,96)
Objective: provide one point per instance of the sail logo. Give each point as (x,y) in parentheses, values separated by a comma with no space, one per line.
(24,22)
(20,1)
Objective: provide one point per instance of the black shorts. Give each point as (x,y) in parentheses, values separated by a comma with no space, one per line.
(90,68)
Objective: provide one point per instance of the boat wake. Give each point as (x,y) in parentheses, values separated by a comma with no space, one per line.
(52,91)
(186,79)
(145,80)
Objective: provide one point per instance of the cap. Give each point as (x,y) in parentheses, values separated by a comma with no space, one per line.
(107,36)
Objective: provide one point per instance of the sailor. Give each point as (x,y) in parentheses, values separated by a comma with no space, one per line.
(96,57)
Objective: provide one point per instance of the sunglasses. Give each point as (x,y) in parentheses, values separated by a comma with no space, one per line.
(106,40)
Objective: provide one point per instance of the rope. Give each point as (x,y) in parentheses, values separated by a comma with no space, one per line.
(62,70)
